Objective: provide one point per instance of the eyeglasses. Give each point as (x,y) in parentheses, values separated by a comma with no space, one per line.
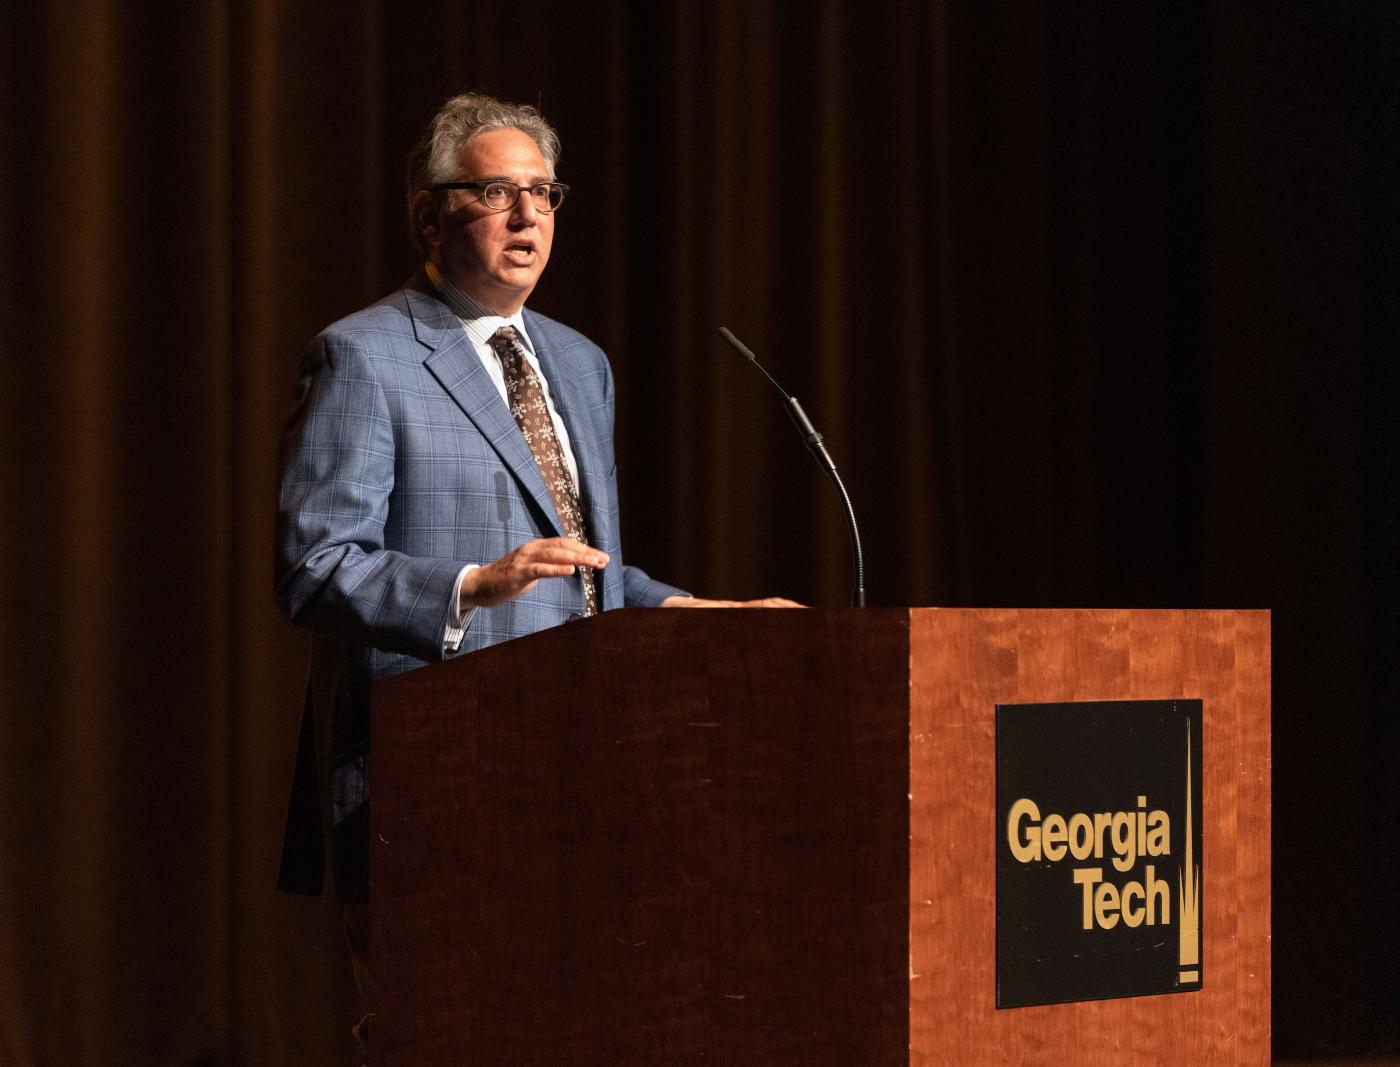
(501,195)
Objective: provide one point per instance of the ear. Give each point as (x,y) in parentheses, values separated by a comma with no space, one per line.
(426,217)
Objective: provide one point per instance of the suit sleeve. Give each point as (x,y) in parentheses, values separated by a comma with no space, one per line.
(640,590)
(333,573)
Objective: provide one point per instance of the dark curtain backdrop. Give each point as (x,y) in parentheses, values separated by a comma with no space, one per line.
(1094,303)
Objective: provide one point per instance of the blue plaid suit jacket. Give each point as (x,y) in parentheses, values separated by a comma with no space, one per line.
(401,463)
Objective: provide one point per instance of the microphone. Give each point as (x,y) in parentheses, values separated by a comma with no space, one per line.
(815,445)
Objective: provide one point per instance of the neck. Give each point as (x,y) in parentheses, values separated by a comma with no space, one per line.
(496,303)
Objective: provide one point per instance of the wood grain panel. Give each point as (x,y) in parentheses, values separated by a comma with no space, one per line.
(651,837)
(963,664)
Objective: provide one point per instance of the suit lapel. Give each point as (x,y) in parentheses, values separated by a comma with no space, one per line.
(583,435)
(453,361)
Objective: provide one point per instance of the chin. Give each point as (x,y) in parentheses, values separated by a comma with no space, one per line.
(518,282)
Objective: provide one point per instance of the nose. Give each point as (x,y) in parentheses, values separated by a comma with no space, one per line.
(525,209)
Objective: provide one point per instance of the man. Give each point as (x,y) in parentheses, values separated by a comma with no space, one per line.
(448,481)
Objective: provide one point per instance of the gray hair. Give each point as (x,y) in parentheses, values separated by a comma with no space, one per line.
(434,157)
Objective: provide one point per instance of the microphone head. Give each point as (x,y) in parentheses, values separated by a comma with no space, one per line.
(737,345)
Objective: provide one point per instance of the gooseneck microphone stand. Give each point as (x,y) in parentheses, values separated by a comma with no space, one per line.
(815,445)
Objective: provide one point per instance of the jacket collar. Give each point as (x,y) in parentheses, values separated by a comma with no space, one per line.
(572,403)
(451,358)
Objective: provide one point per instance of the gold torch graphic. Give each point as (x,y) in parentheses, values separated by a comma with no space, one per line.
(1188,889)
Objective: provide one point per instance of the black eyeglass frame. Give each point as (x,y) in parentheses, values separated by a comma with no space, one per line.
(480,187)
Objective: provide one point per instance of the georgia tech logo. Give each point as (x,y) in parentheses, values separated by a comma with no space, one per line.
(1098,850)
(1131,837)
(1126,839)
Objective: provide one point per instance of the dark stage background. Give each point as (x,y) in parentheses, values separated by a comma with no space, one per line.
(1095,304)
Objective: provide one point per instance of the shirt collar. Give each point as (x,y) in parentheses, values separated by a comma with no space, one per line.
(479,321)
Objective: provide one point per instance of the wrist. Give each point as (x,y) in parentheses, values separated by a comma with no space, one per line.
(466,590)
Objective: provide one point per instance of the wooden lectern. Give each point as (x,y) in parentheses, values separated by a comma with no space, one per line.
(768,837)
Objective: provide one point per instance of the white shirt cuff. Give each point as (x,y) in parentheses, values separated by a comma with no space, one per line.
(457,619)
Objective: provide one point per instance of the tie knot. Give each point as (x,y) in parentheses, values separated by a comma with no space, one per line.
(506,342)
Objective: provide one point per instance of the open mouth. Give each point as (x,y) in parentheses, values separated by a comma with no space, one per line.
(521,249)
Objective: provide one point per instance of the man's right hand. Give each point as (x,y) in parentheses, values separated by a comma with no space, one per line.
(517,571)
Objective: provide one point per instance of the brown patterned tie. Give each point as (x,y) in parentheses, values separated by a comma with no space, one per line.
(527,404)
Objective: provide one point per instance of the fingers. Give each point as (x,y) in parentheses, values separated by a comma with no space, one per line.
(700,602)
(576,552)
(519,570)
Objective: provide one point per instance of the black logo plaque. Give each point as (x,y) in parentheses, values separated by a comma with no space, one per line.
(1099,889)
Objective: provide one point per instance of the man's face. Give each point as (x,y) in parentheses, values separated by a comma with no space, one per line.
(496,256)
